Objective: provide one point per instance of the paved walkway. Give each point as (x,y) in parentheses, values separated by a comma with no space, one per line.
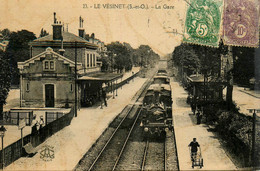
(13,101)
(72,142)
(186,129)
(245,99)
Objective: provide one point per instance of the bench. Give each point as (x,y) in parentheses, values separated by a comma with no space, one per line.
(29,149)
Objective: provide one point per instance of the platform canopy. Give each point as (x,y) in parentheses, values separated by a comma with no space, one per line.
(101,76)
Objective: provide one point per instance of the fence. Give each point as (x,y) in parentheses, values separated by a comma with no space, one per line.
(118,85)
(14,116)
(52,116)
(14,151)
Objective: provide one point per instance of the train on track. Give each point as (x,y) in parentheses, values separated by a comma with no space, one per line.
(157,106)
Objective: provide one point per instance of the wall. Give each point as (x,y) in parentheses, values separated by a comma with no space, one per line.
(70,54)
(62,78)
(35,97)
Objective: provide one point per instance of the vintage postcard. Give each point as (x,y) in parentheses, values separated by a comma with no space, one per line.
(129,85)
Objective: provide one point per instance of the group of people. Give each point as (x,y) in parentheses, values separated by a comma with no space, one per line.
(195,107)
(37,125)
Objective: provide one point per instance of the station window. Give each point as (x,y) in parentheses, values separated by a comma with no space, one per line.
(27,87)
(46,65)
(90,60)
(49,65)
(71,87)
(87,60)
(94,60)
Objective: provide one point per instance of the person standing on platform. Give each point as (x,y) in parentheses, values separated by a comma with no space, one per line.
(34,132)
(41,123)
(193,106)
(104,96)
(198,115)
(34,125)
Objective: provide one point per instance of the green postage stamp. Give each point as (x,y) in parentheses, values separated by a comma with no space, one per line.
(203,20)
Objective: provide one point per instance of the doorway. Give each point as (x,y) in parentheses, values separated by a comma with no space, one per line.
(49,95)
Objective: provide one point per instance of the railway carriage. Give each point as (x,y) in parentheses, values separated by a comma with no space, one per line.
(161,79)
(162,72)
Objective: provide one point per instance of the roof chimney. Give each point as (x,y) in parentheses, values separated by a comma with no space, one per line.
(81,29)
(93,37)
(57,29)
(61,50)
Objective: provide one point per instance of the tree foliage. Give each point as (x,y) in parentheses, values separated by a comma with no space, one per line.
(244,65)
(144,55)
(120,56)
(18,50)
(185,57)
(5,79)
(5,34)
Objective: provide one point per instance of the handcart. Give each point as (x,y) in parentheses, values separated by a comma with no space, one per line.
(196,159)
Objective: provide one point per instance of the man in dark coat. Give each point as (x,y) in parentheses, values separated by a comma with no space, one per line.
(198,115)
(104,96)
(194,147)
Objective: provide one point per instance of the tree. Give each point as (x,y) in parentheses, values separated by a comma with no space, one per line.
(5,80)
(105,64)
(119,56)
(145,55)
(18,51)
(186,59)
(244,67)
(5,34)
(43,33)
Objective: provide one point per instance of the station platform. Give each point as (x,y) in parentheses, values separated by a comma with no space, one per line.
(186,129)
(71,143)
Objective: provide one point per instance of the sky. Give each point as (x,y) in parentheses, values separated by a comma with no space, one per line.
(136,26)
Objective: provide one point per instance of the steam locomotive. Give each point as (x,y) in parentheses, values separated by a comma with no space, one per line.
(157,107)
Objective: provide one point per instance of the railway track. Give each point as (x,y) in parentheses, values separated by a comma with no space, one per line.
(125,148)
(154,157)
(109,155)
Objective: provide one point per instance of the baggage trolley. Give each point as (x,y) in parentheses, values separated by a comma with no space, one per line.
(196,159)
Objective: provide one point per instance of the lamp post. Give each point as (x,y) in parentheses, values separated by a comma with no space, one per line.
(2,134)
(76,77)
(254,111)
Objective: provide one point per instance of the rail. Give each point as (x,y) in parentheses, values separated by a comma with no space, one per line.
(127,138)
(103,149)
(142,91)
(145,154)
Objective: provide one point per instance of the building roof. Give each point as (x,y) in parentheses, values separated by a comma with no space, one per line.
(196,78)
(101,76)
(41,55)
(69,39)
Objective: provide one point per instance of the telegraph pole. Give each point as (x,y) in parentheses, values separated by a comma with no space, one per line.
(76,93)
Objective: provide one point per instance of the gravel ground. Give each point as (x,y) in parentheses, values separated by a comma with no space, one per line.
(93,152)
(155,156)
(171,154)
(134,150)
(91,155)
(109,156)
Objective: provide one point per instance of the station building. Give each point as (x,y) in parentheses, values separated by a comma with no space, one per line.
(48,78)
